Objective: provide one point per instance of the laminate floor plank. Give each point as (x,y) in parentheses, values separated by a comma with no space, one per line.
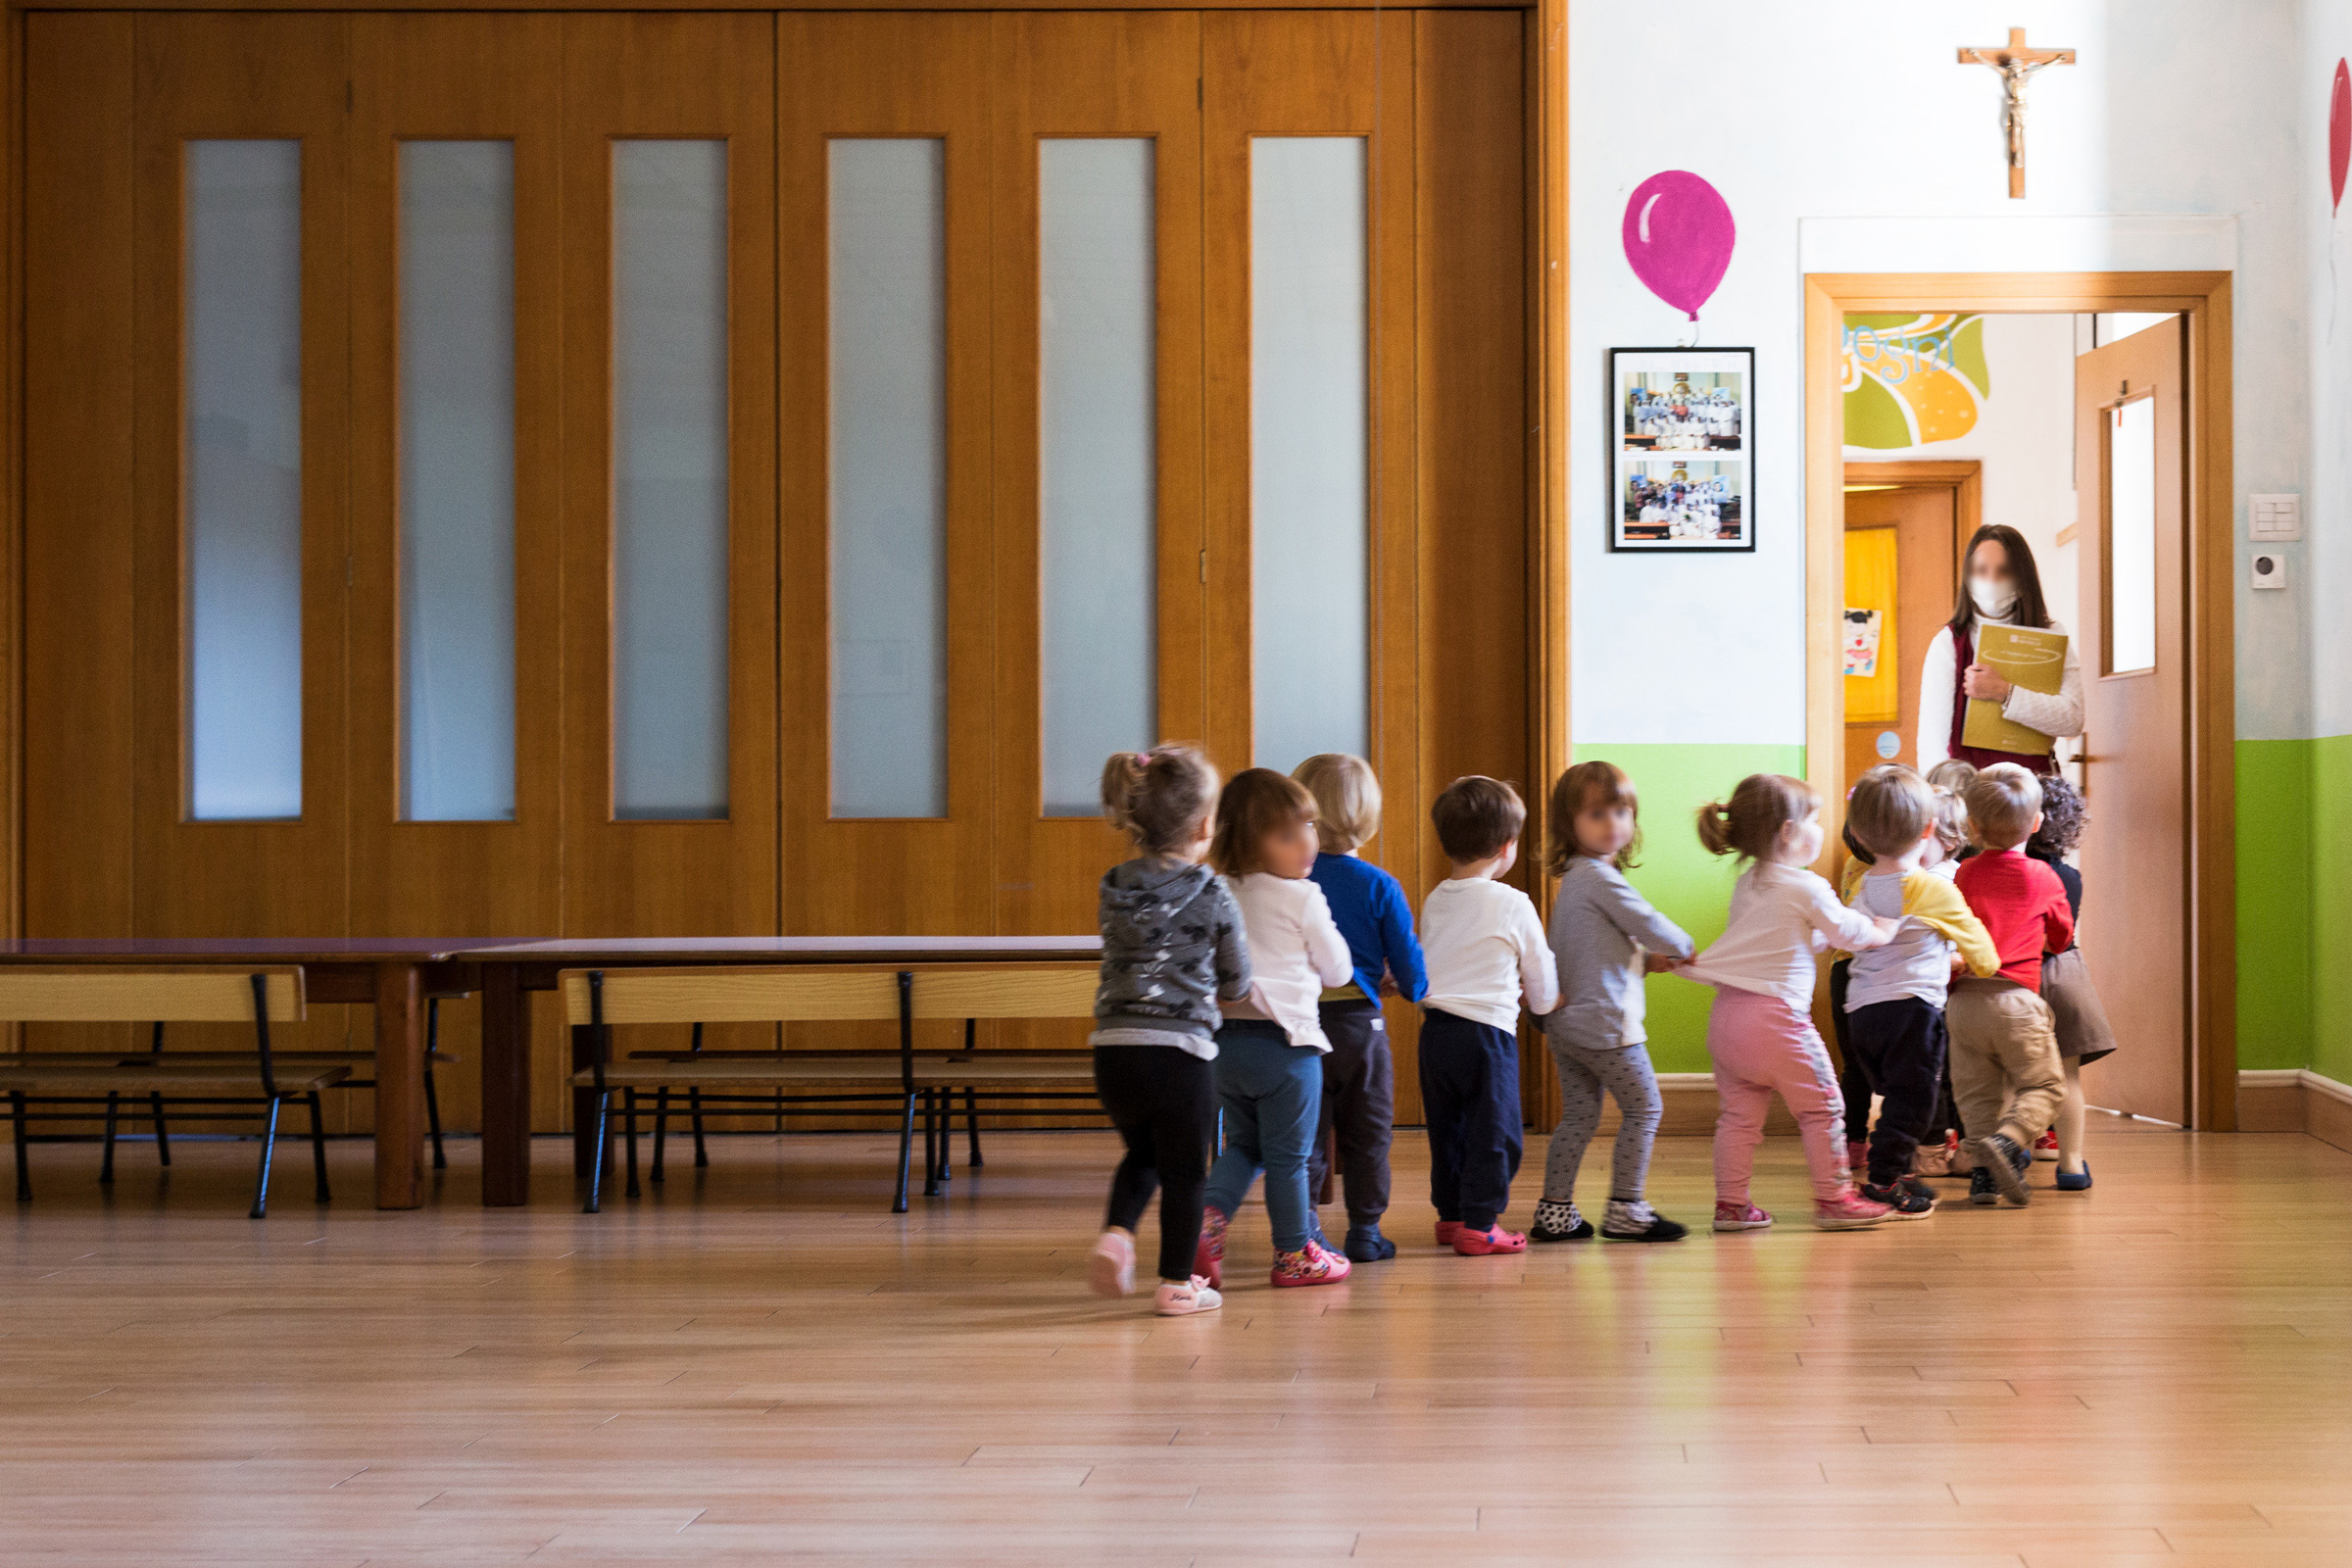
(758,1364)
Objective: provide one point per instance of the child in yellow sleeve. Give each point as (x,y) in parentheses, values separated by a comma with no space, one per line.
(1894,995)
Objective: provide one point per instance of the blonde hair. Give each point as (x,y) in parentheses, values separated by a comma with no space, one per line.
(1890,807)
(1159,798)
(1347,796)
(2003,800)
(1951,774)
(1584,785)
(1256,801)
(1476,818)
(1750,825)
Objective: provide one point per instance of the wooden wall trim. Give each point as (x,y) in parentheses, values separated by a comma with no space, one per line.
(1546,57)
(396,6)
(2204,298)
(12,479)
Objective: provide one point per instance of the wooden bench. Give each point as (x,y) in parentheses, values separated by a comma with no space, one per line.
(599,1000)
(161,996)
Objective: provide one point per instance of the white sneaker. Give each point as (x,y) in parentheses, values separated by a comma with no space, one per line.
(1183,1300)
(1111,1268)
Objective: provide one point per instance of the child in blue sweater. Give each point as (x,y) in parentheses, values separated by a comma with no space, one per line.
(1360,1076)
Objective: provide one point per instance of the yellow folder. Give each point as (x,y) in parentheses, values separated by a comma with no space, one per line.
(2023,655)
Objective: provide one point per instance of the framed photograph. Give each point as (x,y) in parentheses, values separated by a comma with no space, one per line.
(1682,449)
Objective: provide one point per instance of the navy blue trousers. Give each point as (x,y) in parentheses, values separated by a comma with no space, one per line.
(1470,1100)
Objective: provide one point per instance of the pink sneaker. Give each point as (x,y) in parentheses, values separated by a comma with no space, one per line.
(1311,1264)
(2047,1146)
(1448,1230)
(1111,1268)
(1740,1217)
(1208,1258)
(1183,1300)
(1468,1243)
(1849,1211)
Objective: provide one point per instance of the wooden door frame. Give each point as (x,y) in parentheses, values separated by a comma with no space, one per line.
(2203,299)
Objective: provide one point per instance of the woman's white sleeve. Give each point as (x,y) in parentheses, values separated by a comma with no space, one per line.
(2054,714)
(1936,679)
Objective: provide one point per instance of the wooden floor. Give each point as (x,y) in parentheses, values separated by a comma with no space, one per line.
(773,1369)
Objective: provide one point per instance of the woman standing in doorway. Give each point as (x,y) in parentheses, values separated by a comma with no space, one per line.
(1999,586)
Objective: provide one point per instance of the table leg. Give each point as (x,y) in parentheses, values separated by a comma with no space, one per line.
(506,1088)
(399,1086)
(583,1104)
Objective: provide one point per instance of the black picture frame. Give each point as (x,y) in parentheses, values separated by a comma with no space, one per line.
(1713,451)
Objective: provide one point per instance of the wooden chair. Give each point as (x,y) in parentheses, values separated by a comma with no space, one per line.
(997,992)
(598,1000)
(160,996)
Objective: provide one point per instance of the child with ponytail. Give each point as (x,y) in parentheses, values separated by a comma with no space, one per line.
(1173,947)
(1760,1031)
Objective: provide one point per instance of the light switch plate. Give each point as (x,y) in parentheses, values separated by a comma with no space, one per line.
(2271,518)
(2269,569)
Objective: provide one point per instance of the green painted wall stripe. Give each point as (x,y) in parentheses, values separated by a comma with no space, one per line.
(2276,885)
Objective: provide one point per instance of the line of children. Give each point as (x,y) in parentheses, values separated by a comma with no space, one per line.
(1258,993)
(2076,1011)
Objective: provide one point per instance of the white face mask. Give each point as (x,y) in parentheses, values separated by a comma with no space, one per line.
(1994,597)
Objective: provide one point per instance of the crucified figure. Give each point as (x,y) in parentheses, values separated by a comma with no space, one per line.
(2016,62)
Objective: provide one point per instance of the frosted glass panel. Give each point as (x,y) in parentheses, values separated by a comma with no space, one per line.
(1096,468)
(243,342)
(1308,448)
(456,480)
(669,479)
(2131,537)
(888,271)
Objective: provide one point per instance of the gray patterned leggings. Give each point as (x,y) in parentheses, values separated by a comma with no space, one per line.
(1584,1072)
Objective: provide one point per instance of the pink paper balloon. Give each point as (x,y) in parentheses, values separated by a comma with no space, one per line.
(1679,236)
(2340,132)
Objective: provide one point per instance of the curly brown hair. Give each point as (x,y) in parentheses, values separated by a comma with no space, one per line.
(2064,817)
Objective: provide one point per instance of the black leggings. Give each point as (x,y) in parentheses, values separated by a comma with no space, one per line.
(1163,1101)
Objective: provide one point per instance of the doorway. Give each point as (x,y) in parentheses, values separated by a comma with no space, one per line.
(1905,526)
(2151,421)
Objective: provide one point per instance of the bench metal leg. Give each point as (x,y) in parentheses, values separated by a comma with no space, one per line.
(905,1153)
(261,1186)
(702,1155)
(596,1155)
(628,1124)
(318,1144)
(432,1118)
(971,1123)
(15,1111)
(163,1138)
(106,1160)
(660,1130)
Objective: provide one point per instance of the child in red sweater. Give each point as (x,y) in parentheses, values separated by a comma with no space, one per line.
(2004,1044)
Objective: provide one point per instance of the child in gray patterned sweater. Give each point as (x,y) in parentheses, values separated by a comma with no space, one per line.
(1173,946)
(1604,937)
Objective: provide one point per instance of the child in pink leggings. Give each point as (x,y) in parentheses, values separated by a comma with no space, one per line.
(1761,1032)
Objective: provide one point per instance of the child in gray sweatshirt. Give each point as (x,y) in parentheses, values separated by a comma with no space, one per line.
(1604,938)
(1173,945)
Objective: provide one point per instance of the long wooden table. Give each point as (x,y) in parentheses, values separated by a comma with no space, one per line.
(507,972)
(391,974)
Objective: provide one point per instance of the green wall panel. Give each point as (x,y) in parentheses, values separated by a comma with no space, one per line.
(2274,898)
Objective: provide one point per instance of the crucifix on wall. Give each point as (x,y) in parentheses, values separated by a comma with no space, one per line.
(2015,63)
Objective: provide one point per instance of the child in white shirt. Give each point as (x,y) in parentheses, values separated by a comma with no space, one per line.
(1485,951)
(1761,1032)
(1269,1066)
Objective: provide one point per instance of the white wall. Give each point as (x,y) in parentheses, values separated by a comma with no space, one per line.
(1817,109)
(2325,559)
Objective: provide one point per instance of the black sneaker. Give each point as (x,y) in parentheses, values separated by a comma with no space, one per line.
(2008,1164)
(1365,1245)
(1904,1202)
(1980,1190)
(1560,1222)
(1659,1229)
